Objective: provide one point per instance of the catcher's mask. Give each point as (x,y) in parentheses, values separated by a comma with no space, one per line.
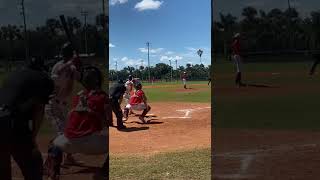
(91,77)
(137,85)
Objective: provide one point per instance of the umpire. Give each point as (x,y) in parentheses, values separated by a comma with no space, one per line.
(116,94)
(23,96)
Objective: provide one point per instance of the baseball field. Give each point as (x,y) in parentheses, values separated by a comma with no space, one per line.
(269,129)
(173,145)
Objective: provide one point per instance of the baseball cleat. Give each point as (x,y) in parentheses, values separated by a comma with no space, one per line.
(142,119)
(121,127)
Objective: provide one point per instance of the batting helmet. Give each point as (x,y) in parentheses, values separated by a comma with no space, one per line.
(67,51)
(91,77)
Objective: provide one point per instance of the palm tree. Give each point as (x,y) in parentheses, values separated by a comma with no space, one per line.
(11,33)
(228,23)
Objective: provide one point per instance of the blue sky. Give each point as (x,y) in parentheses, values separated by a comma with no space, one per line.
(176,29)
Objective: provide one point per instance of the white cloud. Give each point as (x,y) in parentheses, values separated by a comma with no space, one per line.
(191,49)
(152,51)
(114,2)
(111,45)
(130,62)
(148,5)
(166,58)
(124,59)
(169,53)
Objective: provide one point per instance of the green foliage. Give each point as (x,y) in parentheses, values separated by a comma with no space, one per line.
(46,40)
(276,30)
(162,72)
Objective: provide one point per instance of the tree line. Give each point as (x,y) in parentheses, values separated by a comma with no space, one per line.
(46,40)
(273,31)
(162,72)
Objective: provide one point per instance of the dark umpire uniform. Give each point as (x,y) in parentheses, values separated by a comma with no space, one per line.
(116,93)
(22,99)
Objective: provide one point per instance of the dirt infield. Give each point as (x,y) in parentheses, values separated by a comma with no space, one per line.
(178,126)
(266,154)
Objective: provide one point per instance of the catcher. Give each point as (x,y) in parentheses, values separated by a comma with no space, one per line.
(86,131)
(138,102)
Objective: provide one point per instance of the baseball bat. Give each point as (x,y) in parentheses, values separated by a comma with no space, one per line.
(71,39)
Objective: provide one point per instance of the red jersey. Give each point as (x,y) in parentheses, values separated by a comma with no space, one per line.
(184,76)
(236,47)
(136,98)
(87,115)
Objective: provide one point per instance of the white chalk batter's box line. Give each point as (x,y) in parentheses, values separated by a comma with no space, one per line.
(187,114)
(248,156)
(264,151)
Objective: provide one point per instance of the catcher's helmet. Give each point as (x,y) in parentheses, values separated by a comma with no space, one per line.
(67,51)
(91,77)
(137,85)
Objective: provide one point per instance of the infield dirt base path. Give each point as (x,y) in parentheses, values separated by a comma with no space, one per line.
(266,154)
(179,126)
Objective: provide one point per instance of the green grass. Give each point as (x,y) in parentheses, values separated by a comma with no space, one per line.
(174,92)
(294,105)
(195,164)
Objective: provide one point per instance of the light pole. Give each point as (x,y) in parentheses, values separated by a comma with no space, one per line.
(25,30)
(148,45)
(176,69)
(170,71)
(117,69)
(85,14)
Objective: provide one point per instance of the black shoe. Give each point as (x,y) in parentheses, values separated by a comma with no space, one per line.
(120,127)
